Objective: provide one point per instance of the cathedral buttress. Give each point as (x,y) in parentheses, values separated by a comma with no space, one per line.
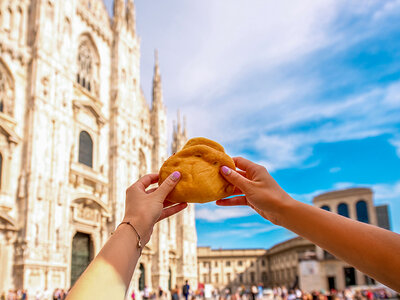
(158,120)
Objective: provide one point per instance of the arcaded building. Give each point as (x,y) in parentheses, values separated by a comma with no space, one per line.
(295,262)
(232,267)
(75,132)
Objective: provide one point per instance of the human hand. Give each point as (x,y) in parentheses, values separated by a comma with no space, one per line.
(255,187)
(143,209)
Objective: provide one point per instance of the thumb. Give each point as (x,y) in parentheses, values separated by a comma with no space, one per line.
(235,178)
(168,185)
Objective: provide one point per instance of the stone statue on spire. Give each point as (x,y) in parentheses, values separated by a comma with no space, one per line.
(131,16)
(179,136)
(157,87)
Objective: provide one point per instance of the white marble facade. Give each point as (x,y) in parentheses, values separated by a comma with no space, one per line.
(75,132)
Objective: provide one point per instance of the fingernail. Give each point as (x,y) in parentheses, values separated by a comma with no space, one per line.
(225,170)
(175,176)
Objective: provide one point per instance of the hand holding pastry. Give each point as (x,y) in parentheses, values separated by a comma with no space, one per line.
(199,162)
(256,188)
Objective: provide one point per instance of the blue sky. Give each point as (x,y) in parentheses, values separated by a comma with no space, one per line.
(310,89)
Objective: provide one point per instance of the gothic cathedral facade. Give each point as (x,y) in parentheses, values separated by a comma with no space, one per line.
(75,132)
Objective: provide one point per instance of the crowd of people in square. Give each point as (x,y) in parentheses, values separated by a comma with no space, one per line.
(22,294)
(258,292)
(282,293)
(254,292)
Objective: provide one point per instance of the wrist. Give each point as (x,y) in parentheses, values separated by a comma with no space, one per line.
(286,210)
(141,228)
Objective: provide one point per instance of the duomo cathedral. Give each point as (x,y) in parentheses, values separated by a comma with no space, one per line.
(75,132)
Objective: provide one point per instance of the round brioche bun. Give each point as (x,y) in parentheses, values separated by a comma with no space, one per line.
(199,163)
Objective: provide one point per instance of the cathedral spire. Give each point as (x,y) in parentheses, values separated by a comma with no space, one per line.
(179,126)
(184,127)
(179,136)
(156,65)
(157,88)
(131,16)
(119,13)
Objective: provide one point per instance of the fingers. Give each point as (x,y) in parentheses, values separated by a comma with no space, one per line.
(168,203)
(236,179)
(168,185)
(240,200)
(243,164)
(167,212)
(252,170)
(146,180)
(235,192)
(243,173)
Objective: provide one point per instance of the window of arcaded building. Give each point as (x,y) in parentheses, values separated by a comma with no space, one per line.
(326,207)
(85,149)
(343,210)
(264,276)
(240,263)
(252,277)
(228,263)
(362,211)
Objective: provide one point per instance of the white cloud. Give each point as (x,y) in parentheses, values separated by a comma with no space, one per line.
(343,185)
(383,193)
(206,53)
(362,116)
(251,225)
(307,197)
(387,192)
(219,214)
(396,143)
(244,232)
(281,151)
(389,8)
(239,78)
(335,169)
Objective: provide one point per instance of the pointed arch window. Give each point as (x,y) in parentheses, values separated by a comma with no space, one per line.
(85,149)
(6,91)
(142,280)
(88,66)
(343,210)
(362,211)
(1,168)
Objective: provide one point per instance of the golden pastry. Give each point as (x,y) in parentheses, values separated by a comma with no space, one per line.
(199,163)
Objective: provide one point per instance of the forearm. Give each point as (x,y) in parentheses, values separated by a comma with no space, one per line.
(109,274)
(370,249)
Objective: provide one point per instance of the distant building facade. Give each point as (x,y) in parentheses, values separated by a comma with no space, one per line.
(295,262)
(382,214)
(75,132)
(231,267)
